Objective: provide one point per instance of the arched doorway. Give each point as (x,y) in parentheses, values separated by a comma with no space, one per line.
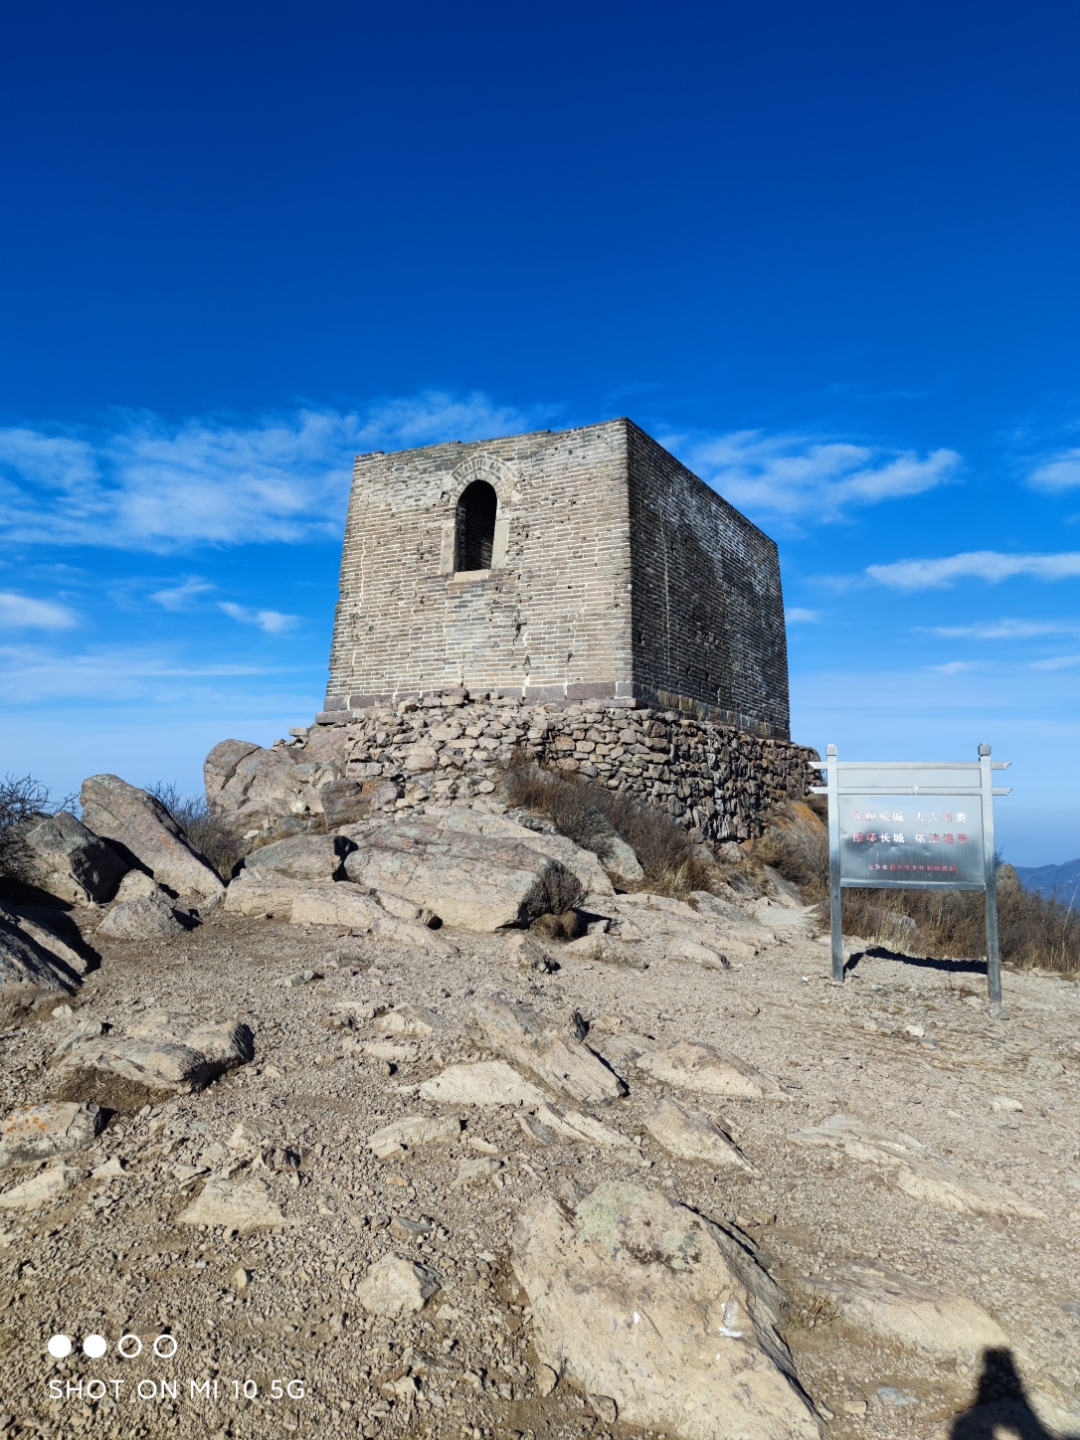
(476,511)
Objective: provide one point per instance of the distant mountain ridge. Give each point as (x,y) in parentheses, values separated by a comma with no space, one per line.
(1060,881)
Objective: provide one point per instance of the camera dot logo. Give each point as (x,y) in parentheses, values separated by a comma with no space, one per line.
(60,1347)
(95,1346)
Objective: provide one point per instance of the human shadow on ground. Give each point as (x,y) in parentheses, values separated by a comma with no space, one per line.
(1000,1407)
(920,962)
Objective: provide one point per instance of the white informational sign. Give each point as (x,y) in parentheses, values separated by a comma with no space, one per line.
(906,825)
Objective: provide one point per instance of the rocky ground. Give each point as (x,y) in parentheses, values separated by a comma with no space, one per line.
(902,1163)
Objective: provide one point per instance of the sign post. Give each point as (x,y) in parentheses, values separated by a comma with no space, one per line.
(909,825)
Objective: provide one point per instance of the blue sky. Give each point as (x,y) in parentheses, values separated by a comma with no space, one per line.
(827,254)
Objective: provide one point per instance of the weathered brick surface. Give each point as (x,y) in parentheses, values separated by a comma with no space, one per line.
(717,780)
(617,576)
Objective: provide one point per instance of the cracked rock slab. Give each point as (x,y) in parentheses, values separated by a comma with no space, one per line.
(561,1062)
(38,1132)
(412,1133)
(241,1204)
(482,1082)
(644,1301)
(689,1065)
(164,1051)
(913,1169)
(690,1135)
(886,1303)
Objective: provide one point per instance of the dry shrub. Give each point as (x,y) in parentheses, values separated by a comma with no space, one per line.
(221,845)
(800,855)
(21,798)
(1035,930)
(590,814)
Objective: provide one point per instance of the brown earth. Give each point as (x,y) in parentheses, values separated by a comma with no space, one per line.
(108,1256)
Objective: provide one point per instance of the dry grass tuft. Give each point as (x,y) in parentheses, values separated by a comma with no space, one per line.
(1035,931)
(591,815)
(222,846)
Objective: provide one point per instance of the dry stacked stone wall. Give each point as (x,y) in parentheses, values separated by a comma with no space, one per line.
(718,781)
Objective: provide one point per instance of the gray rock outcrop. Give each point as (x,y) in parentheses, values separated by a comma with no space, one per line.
(301,857)
(641,1300)
(475,882)
(267,795)
(147,917)
(561,1062)
(141,825)
(71,861)
(163,1051)
(34,1133)
(26,965)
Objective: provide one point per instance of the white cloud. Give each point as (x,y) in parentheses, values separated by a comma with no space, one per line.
(177,597)
(1061,473)
(990,565)
(1005,629)
(19,612)
(272,621)
(796,615)
(954,667)
(1056,662)
(798,476)
(146,485)
(30,673)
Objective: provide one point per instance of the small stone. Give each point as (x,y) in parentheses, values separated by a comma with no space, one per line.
(239,1278)
(546,1379)
(394,1286)
(605,1407)
(473,1172)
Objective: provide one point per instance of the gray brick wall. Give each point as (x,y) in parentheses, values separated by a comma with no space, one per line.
(617,576)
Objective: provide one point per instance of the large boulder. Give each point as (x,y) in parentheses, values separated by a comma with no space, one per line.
(301,857)
(54,931)
(70,861)
(584,865)
(266,795)
(645,1303)
(140,825)
(146,917)
(475,882)
(26,965)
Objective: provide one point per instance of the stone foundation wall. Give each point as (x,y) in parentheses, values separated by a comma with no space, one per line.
(718,781)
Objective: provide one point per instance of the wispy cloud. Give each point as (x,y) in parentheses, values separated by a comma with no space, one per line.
(990,565)
(1060,473)
(20,612)
(179,597)
(802,477)
(796,615)
(32,673)
(1004,629)
(955,667)
(141,484)
(1056,662)
(272,621)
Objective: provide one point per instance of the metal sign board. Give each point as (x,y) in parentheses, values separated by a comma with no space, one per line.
(912,841)
(907,825)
